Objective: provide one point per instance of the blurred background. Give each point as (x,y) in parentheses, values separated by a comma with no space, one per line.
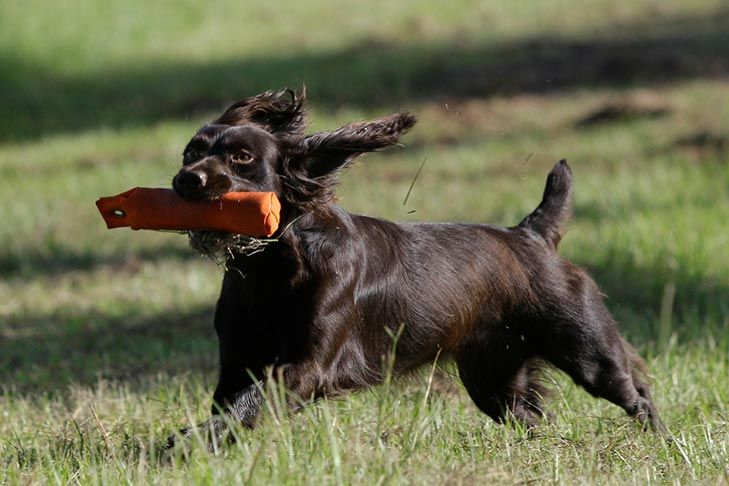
(100,96)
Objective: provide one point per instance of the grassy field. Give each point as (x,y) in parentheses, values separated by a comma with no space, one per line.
(106,342)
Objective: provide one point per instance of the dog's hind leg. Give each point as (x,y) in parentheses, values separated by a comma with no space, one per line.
(602,368)
(502,382)
(582,339)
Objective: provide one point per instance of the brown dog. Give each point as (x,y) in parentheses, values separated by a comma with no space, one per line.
(320,304)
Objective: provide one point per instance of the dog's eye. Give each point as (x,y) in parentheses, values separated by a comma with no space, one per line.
(242,157)
(190,155)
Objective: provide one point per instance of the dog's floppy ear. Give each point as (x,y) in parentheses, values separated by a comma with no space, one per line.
(279,112)
(328,152)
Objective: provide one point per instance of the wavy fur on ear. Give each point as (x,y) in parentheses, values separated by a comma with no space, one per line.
(334,151)
(311,171)
(279,112)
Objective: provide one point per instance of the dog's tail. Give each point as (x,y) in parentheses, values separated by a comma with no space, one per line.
(556,206)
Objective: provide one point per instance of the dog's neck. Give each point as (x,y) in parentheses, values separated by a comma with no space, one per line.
(298,244)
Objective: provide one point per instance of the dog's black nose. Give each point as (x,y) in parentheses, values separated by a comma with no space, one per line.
(186,182)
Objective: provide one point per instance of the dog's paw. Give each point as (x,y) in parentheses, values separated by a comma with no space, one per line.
(213,433)
(174,440)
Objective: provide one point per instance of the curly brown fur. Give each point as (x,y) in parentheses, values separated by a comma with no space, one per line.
(282,112)
(321,303)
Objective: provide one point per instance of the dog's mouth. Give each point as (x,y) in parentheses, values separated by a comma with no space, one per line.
(220,246)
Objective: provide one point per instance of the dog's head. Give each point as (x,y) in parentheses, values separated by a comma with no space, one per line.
(259,144)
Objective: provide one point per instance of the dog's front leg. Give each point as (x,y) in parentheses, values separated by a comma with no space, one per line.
(301,381)
(243,407)
(237,398)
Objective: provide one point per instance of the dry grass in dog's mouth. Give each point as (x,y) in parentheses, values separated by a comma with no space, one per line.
(219,246)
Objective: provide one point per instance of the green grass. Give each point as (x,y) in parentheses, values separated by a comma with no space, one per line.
(106,342)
